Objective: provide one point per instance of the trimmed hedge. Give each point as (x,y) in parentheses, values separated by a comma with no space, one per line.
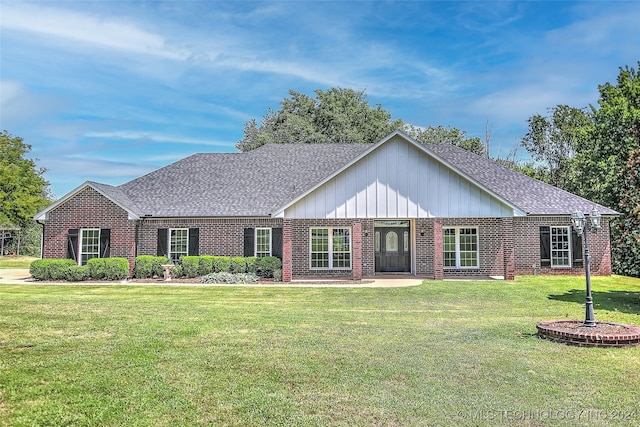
(108,268)
(67,269)
(51,269)
(148,266)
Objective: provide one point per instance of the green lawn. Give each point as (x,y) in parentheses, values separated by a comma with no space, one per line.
(443,353)
(16,261)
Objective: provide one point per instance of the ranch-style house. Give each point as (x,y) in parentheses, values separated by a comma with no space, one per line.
(343,210)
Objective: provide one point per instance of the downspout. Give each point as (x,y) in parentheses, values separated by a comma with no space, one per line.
(41,238)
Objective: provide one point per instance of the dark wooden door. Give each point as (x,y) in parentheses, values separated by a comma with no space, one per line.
(392,250)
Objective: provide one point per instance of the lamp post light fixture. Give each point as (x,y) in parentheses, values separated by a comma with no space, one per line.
(582,226)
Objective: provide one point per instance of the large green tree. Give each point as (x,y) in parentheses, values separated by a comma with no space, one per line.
(552,141)
(604,150)
(23,190)
(626,248)
(336,116)
(439,134)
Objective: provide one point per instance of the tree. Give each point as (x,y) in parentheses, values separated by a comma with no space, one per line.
(552,141)
(438,134)
(626,250)
(335,116)
(23,190)
(608,141)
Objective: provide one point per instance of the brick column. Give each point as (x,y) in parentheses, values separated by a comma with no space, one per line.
(357,251)
(287,250)
(438,255)
(508,249)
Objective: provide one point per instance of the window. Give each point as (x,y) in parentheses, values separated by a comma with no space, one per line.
(560,247)
(89,244)
(178,243)
(460,247)
(263,242)
(330,248)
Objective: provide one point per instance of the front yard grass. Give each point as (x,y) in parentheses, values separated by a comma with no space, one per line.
(16,261)
(443,353)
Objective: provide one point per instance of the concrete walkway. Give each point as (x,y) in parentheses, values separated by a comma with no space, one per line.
(21,276)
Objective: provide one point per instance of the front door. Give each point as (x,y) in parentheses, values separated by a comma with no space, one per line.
(392,250)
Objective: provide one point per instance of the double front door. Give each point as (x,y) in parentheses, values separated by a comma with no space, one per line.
(392,249)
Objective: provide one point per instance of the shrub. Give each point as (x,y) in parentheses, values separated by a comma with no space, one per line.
(177,272)
(116,268)
(205,265)
(59,268)
(253,264)
(221,264)
(148,266)
(190,265)
(39,269)
(97,268)
(238,265)
(268,265)
(232,278)
(78,273)
(277,275)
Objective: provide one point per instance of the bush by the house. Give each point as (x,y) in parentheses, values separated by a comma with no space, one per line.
(148,266)
(253,264)
(221,264)
(50,269)
(268,265)
(205,265)
(232,278)
(67,269)
(238,265)
(108,268)
(79,273)
(277,275)
(190,266)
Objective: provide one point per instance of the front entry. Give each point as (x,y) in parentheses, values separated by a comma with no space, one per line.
(392,247)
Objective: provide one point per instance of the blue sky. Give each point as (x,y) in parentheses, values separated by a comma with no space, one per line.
(110,90)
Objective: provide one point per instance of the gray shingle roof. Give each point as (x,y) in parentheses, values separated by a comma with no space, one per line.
(255,183)
(533,196)
(259,182)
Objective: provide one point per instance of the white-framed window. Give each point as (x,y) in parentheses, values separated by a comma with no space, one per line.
(460,247)
(178,243)
(89,244)
(263,242)
(330,248)
(560,246)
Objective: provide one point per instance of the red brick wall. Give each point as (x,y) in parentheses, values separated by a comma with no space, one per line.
(89,209)
(218,236)
(527,247)
(301,247)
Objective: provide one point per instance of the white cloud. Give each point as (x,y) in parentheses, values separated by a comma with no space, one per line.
(87,28)
(156,137)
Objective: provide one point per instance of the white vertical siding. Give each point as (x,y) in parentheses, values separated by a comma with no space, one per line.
(398,180)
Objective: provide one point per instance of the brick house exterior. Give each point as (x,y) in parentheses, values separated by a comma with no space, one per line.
(341,210)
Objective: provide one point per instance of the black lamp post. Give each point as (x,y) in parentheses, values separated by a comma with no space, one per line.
(581,225)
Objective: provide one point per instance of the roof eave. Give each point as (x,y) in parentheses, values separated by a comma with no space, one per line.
(43,215)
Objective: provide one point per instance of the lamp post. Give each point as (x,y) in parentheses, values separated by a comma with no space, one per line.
(582,226)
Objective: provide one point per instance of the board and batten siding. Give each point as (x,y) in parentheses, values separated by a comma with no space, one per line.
(398,180)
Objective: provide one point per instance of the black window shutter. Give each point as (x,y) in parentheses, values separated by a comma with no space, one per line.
(162,241)
(72,244)
(576,249)
(276,242)
(249,249)
(194,241)
(545,246)
(105,242)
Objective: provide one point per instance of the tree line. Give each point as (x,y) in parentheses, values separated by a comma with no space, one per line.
(592,151)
